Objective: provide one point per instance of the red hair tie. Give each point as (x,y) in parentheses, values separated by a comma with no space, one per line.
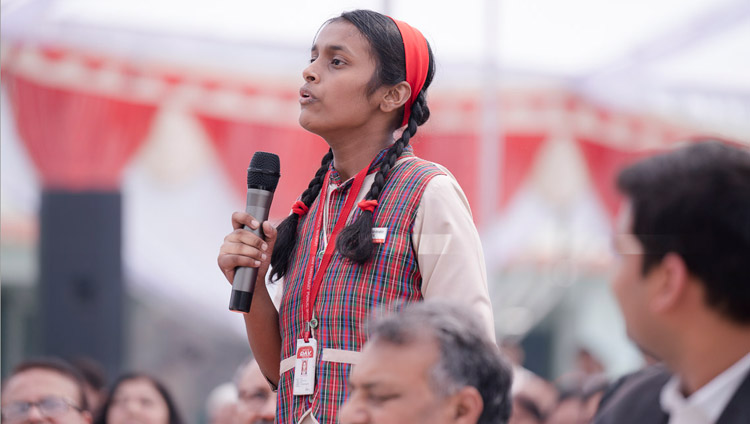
(300,208)
(417,62)
(368,205)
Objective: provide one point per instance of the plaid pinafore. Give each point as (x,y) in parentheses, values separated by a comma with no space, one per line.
(350,292)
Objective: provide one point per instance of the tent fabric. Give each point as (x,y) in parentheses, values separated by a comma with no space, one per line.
(96,118)
(77,141)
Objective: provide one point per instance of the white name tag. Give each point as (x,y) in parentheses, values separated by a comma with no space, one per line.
(304,367)
(379,234)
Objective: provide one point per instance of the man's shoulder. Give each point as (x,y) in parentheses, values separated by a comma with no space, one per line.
(635,398)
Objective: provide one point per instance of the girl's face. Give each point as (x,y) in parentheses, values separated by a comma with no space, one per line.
(334,99)
(137,402)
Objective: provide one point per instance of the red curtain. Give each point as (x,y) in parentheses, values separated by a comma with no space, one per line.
(299,153)
(77,141)
(519,153)
(457,151)
(604,163)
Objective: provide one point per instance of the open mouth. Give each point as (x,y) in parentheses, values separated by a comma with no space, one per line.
(305,97)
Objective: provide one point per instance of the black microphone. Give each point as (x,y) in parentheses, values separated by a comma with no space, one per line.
(262,179)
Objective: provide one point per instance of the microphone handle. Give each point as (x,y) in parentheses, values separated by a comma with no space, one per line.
(258,205)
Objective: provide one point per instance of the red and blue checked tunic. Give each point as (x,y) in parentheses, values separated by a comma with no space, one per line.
(350,292)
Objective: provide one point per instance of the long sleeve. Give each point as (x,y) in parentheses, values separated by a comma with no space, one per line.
(449,251)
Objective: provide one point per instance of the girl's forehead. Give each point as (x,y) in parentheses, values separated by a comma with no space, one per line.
(339,33)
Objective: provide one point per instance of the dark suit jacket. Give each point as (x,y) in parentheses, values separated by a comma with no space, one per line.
(635,399)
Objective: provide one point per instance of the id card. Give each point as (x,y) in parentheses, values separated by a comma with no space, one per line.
(379,234)
(304,367)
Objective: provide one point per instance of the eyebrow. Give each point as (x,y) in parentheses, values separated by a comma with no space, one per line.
(332,47)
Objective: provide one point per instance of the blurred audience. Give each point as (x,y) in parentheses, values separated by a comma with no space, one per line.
(44,391)
(138,398)
(534,398)
(429,363)
(572,399)
(221,405)
(256,401)
(683,285)
(95,381)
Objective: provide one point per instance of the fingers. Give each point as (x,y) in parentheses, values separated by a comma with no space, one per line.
(241,219)
(248,238)
(270,232)
(228,263)
(242,247)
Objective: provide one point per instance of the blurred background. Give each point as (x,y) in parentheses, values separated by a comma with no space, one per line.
(127,128)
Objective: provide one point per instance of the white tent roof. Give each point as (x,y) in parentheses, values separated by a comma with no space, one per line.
(701,42)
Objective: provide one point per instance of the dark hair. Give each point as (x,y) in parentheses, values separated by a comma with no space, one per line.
(695,202)
(355,240)
(174,414)
(467,356)
(59,366)
(91,370)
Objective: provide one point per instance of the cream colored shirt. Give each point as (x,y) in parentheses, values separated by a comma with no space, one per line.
(707,403)
(449,252)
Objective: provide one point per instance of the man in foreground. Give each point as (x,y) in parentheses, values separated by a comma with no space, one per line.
(683,285)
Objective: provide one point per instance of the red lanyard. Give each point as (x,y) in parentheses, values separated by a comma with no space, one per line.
(312,284)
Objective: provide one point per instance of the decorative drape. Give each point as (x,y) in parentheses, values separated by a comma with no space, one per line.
(299,153)
(78,141)
(604,163)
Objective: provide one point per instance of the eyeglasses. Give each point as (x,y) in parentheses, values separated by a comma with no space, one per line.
(255,399)
(50,406)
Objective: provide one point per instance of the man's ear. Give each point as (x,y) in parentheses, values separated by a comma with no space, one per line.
(395,97)
(671,284)
(467,405)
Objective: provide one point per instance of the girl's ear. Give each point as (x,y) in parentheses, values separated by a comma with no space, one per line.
(395,97)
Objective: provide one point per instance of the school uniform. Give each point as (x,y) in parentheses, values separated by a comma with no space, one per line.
(429,248)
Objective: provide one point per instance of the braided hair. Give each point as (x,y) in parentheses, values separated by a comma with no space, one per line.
(355,240)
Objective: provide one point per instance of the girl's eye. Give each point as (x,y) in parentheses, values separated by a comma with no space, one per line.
(312,59)
(337,62)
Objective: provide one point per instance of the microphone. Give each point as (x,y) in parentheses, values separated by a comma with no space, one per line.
(262,179)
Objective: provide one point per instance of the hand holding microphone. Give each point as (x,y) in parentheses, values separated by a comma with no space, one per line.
(262,179)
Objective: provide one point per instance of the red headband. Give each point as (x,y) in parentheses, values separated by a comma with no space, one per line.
(417,62)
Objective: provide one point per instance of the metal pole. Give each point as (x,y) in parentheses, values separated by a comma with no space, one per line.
(491,141)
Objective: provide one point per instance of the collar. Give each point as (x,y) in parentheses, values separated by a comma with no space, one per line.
(335,178)
(708,402)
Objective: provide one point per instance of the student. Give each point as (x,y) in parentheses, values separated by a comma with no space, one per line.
(375,226)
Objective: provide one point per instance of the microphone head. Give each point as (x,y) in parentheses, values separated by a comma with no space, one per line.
(264,171)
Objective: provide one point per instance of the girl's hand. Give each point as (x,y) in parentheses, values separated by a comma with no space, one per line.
(243,248)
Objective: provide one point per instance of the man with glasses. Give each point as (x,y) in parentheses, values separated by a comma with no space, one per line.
(256,401)
(430,363)
(44,391)
(683,285)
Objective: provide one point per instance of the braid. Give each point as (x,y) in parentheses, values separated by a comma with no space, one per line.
(286,239)
(355,240)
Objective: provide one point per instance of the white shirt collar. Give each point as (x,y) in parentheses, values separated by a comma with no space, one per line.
(705,405)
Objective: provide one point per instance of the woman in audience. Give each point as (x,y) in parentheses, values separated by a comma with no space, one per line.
(141,398)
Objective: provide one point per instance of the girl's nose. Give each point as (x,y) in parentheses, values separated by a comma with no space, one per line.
(309,74)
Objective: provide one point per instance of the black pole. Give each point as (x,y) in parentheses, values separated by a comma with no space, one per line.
(81,290)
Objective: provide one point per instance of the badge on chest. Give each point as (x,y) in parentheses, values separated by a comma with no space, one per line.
(304,367)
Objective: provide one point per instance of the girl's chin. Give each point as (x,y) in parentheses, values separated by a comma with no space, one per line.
(308,125)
